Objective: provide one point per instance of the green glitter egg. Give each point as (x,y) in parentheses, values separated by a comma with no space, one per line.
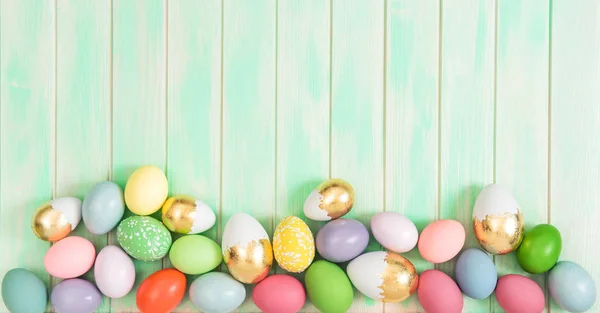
(144,238)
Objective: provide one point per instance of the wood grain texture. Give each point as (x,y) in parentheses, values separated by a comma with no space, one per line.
(139,104)
(411,119)
(575,123)
(522,115)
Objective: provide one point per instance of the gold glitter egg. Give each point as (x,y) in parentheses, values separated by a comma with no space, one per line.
(497,220)
(54,220)
(246,248)
(383,276)
(293,245)
(331,199)
(186,215)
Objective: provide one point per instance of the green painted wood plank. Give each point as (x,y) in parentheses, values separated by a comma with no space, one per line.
(139,106)
(522,115)
(357,111)
(575,149)
(26,130)
(249,112)
(411,140)
(194,107)
(466,116)
(83,105)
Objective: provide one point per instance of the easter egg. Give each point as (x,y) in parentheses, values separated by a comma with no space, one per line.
(24,292)
(75,296)
(103,208)
(475,273)
(571,287)
(217,292)
(195,254)
(146,190)
(342,240)
(383,276)
(144,238)
(70,257)
(54,220)
(161,292)
(394,231)
(441,240)
(328,287)
(246,249)
(517,294)
(293,245)
(333,198)
(438,293)
(186,215)
(497,220)
(540,249)
(114,272)
(279,294)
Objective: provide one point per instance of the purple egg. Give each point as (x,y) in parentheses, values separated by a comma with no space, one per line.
(342,240)
(75,296)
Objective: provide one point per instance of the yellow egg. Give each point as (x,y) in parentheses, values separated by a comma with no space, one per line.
(293,245)
(146,190)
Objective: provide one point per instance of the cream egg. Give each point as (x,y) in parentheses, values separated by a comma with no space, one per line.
(55,219)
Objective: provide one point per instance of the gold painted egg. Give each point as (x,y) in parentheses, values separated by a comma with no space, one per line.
(293,244)
(331,199)
(497,220)
(54,220)
(186,215)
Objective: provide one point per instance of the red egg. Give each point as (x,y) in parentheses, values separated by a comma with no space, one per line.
(161,292)
(517,293)
(279,294)
(438,293)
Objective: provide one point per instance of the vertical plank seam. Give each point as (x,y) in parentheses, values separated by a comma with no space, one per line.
(54,139)
(110,112)
(384,176)
(330,85)
(274,217)
(549,177)
(439,117)
(495,112)
(166,91)
(220,213)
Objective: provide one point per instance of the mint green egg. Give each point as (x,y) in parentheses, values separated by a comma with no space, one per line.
(144,238)
(24,292)
(195,254)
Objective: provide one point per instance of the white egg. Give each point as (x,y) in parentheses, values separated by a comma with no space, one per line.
(494,200)
(312,208)
(70,207)
(114,272)
(394,231)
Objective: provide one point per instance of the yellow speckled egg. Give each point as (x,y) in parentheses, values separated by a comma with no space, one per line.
(146,190)
(293,244)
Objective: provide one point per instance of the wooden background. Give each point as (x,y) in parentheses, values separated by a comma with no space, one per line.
(249,104)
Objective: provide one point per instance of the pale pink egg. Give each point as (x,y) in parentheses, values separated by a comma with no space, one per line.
(70,257)
(517,293)
(441,240)
(438,293)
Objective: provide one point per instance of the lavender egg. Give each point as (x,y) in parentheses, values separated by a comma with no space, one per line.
(75,296)
(342,240)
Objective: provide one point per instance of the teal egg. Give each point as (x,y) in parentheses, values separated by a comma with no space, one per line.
(103,207)
(23,292)
(144,238)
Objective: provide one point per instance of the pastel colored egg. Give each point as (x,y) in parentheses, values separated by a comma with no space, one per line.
(186,215)
(279,294)
(383,276)
(438,293)
(540,249)
(246,248)
(144,238)
(217,292)
(114,272)
(394,231)
(146,190)
(572,287)
(293,245)
(70,257)
(328,287)
(517,294)
(195,254)
(75,296)
(103,207)
(161,292)
(441,240)
(342,240)
(475,273)
(332,199)
(24,292)
(54,220)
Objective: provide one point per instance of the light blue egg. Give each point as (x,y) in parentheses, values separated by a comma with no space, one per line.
(475,273)
(217,292)
(103,208)
(571,287)
(24,292)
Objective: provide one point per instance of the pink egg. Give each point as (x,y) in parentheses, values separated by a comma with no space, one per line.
(438,293)
(70,257)
(279,294)
(519,294)
(441,240)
